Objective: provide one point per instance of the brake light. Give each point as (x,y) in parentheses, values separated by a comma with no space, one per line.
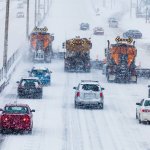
(5,118)
(26,119)
(101,94)
(78,94)
(145,110)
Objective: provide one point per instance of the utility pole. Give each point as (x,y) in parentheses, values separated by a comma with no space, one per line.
(6,38)
(44,7)
(130,8)
(27,21)
(35,13)
(104,4)
(48,5)
(39,12)
(111,4)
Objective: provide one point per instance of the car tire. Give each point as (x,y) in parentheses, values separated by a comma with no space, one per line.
(136,115)
(101,106)
(140,120)
(75,105)
(30,131)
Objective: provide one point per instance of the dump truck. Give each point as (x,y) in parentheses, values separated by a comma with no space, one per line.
(41,45)
(77,55)
(120,61)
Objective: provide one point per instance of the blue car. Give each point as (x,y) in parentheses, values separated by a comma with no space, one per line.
(135,34)
(43,74)
(84,26)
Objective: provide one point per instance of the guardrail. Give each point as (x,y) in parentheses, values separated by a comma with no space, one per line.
(10,68)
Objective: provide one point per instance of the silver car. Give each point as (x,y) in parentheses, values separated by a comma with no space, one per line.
(89,93)
(143,110)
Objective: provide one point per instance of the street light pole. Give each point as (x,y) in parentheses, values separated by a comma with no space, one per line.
(38,12)
(35,13)
(44,7)
(6,38)
(130,8)
(27,21)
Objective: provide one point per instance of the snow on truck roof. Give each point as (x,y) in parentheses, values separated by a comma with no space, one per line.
(22,105)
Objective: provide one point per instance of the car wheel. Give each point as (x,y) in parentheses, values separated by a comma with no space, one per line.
(136,115)
(140,120)
(102,106)
(75,105)
(30,131)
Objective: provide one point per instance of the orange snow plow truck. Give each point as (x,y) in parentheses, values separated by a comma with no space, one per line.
(41,45)
(120,61)
(77,56)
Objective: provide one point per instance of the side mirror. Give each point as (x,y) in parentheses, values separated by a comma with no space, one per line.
(139,104)
(32,110)
(1,109)
(50,71)
(18,82)
(148,86)
(29,71)
(102,88)
(74,88)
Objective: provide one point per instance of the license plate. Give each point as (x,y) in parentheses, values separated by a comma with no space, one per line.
(89,95)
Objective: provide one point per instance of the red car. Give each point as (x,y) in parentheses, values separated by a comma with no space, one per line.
(16,117)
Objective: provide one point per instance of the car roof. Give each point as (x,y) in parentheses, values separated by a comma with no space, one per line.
(22,105)
(30,78)
(40,68)
(147,99)
(89,82)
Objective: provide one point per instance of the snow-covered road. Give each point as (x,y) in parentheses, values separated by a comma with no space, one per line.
(57,124)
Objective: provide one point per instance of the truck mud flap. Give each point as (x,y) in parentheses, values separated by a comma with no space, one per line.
(111,78)
(143,72)
(133,79)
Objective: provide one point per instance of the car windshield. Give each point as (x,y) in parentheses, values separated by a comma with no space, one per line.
(29,83)
(16,109)
(92,87)
(147,103)
(39,72)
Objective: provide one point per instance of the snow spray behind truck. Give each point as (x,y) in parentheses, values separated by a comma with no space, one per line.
(41,45)
(120,61)
(77,56)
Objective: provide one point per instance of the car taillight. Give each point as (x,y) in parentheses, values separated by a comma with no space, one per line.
(5,118)
(101,94)
(145,110)
(26,119)
(78,94)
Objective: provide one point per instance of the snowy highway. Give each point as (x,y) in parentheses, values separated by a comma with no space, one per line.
(57,124)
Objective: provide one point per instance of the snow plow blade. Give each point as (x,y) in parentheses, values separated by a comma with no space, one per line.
(143,72)
(97,64)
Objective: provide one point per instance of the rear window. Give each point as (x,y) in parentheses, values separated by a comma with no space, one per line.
(16,109)
(147,103)
(39,72)
(88,87)
(31,82)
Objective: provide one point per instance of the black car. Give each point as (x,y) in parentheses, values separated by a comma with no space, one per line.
(29,88)
(135,34)
(84,26)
